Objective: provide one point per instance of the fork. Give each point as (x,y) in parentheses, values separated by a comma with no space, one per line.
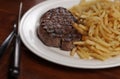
(7,41)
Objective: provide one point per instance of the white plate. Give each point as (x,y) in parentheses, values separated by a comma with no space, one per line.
(27,31)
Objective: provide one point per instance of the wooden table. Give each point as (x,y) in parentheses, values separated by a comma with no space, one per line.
(33,67)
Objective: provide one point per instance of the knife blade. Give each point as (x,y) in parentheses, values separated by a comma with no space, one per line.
(14,69)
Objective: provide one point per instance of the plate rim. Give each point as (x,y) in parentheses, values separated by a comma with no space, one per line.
(51,60)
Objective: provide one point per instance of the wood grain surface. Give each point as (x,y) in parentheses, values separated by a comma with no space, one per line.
(33,67)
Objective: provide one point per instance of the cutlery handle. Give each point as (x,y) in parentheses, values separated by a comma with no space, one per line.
(14,69)
(6,43)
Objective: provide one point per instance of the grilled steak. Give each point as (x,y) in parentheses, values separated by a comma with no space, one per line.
(56,29)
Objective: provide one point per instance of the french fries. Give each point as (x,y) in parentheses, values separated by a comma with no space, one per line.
(100,29)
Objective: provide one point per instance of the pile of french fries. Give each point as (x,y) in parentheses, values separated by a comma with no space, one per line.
(99,24)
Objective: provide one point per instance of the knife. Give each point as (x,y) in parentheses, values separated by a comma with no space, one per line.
(7,41)
(14,69)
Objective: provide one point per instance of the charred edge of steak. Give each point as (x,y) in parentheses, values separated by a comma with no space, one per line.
(56,29)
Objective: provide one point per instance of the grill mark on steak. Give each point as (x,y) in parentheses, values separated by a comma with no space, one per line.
(56,29)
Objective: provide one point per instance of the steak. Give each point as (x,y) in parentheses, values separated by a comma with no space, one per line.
(56,29)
